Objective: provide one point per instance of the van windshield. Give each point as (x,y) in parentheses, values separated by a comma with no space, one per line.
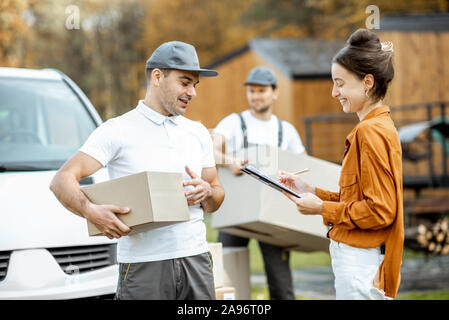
(42,124)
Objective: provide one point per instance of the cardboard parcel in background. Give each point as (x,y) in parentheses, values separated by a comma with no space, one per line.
(237,272)
(254,210)
(156,199)
(216,251)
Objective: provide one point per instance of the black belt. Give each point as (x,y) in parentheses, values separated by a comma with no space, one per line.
(382,249)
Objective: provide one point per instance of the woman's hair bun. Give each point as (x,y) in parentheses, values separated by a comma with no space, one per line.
(364,55)
(364,38)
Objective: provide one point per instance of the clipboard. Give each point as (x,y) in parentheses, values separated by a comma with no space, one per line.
(257,174)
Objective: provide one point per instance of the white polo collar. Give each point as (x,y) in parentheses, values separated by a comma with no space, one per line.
(155,116)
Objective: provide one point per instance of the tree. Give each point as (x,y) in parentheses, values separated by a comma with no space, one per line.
(100,55)
(106,53)
(13,33)
(212,26)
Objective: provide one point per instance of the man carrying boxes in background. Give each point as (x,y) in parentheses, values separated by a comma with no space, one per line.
(170,262)
(258,126)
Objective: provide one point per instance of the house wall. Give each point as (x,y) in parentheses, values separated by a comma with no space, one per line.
(313,97)
(421,67)
(219,96)
(421,75)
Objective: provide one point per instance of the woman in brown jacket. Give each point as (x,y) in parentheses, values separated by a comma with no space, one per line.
(366,216)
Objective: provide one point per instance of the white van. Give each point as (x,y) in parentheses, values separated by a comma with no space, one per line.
(45,250)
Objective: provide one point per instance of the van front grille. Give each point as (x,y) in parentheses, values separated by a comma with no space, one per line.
(4,261)
(82,259)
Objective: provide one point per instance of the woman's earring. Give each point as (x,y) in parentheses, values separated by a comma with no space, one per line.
(366,93)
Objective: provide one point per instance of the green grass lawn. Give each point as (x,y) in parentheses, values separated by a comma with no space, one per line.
(425,295)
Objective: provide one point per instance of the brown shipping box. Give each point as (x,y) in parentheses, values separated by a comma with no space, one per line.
(155,199)
(215,249)
(254,210)
(225,293)
(236,271)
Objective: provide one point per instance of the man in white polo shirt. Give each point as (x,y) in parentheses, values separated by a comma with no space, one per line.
(171,262)
(258,126)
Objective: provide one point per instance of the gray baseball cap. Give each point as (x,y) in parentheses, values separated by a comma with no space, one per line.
(261,76)
(177,55)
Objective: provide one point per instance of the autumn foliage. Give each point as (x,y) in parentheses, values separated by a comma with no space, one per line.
(105,52)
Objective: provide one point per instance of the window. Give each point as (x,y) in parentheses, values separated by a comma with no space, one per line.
(42,123)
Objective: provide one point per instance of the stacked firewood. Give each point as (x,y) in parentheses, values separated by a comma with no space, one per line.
(432,238)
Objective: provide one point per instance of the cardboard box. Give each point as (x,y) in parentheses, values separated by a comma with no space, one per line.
(215,249)
(225,293)
(156,199)
(254,210)
(236,271)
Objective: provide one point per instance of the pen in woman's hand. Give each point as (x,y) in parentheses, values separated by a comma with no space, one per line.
(301,171)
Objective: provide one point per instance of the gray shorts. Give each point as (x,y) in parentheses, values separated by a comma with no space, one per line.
(188,278)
